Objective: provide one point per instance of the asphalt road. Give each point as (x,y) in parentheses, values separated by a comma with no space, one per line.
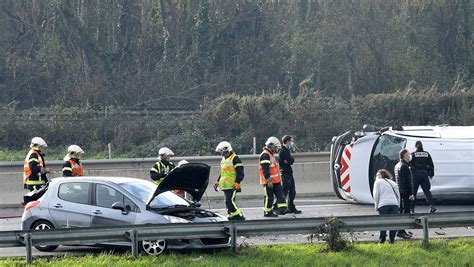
(252,208)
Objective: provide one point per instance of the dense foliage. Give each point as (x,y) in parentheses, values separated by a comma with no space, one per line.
(175,53)
(311,116)
(94,72)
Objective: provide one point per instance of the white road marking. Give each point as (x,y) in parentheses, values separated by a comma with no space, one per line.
(322,200)
(303,206)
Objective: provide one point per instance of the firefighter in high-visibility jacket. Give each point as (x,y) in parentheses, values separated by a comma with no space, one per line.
(72,162)
(270,179)
(231,175)
(163,166)
(34,168)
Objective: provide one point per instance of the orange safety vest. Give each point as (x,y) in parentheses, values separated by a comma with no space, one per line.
(76,169)
(27,171)
(274,169)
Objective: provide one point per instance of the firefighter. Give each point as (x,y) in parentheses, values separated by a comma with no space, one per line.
(72,162)
(422,168)
(34,168)
(270,178)
(163,166)
(232,174)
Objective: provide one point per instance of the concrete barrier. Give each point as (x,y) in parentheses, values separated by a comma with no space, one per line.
(311,171)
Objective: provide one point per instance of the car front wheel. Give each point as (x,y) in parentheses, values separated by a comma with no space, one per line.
(155,247)
(43,225)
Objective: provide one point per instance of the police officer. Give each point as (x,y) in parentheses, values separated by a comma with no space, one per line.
(231,175)
(72,162)
(405,186)
(423,171)
(270,178)
(286,160)
(163,166)
(34,167)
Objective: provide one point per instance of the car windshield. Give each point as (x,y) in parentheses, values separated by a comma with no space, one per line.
(385,155)
(143,190)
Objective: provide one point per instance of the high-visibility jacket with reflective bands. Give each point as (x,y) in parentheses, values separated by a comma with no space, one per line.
(30,178)
(274,168)
(161,168)
(74,167)
(228,172)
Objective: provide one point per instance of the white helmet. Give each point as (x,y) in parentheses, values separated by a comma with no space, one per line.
(73,152)
(224,146)
(37,142)
(273,142)
(182,162)
(75,149)
(164,151)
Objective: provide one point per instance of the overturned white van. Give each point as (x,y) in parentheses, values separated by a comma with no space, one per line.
(357,156)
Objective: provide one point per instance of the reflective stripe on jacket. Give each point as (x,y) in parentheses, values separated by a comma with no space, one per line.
(27,172)
(228,173)
(160,167)
(274,168)
(75,169)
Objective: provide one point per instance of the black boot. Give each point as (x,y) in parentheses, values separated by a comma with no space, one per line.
(270,214)
(281,211)
(403,234)
(292,209)
(237,218)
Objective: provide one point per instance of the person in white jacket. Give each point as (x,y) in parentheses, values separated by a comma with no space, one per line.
(387,200)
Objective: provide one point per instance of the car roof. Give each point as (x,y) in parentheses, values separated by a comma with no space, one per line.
(111,179)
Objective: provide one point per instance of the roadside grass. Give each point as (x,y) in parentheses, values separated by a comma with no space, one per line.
(442,252)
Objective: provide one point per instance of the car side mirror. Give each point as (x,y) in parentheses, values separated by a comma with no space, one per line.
(120,206)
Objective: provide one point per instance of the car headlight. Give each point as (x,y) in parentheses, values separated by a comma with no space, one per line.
(174,219)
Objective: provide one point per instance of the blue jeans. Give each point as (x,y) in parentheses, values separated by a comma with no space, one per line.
(389,209)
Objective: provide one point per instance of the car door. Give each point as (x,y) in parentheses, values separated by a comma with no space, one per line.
(102,213)
(70,207)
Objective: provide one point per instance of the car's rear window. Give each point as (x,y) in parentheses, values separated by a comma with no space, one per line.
(77,192)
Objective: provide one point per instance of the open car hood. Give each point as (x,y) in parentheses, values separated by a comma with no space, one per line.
(191,177)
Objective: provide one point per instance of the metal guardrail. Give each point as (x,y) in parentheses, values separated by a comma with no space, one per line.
(8,166)
(311,174)
(135,233)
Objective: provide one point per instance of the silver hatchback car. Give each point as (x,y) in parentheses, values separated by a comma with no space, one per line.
(105,201)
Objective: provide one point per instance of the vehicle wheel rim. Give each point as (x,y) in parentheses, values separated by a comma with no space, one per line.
(155,247)
(42,226)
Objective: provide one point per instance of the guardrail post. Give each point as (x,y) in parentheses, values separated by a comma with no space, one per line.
(424,223)
(133,236)
(232,231)
(29,255)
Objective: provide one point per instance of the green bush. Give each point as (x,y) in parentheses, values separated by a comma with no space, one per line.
(330,233)
(312,117)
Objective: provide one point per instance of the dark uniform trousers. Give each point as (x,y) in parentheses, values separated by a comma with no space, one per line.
(289,190)
(277,190)
(421,178)
(232,208)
